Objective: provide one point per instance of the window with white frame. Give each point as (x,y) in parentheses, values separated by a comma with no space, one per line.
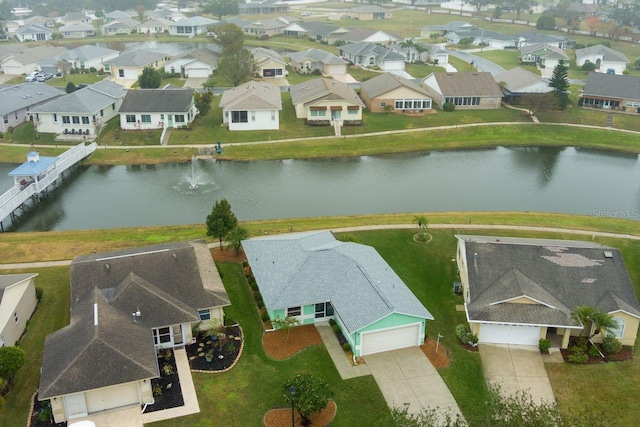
(85,120)
(205,314)
(131,118)
(239,117)
(463,100)
(75,119)
(618,330)
(66,119)
(253,115)
(318,113)
(294,311)
(145,118)
(179,118)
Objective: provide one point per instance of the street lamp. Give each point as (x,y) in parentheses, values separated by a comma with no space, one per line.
(292,391)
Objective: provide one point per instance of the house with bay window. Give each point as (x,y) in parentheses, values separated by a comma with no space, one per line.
(468,91)
(322,102)
(125,306)
(389,92)
(169,107)
(82,112)
(252,106)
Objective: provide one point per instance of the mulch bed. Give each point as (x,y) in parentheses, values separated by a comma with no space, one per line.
(277,346)
(626,353)
(227,255)
(168,385)
(231,345)
(35,421)
(281,417)
(439,359)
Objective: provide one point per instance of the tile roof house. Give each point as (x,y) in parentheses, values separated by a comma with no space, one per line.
(368,13)
(309,60)
(126,305)
(545,55)
(252,106)
(17,303)
(367,54)
(129,65)
(199,62)
(19,100)
(517,291)
(518,81)
(33,32)
(77,30)
(388,92)
(465,90)
(313,277)
(268,63)
(119,26)
(611,92)
(325,101)
(153,26)
(192,26)
(603,57)
(157,108)
(82,112)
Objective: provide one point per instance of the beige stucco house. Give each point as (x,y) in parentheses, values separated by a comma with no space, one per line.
(125,306)
(389,92)
(517,291)
(368,13)
(322,102)
(17,303)
(467,91)
(129,66)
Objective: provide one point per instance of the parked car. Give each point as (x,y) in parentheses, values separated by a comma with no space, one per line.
(44,77)
(33,77)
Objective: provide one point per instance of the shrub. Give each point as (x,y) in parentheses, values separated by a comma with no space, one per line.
(265,316)
(465,41)
(335,328)
(346,347)
(245,264)
(588,66)
(593,351)
(544,345)
(579,46)
(332,323)
(578,355)
(39,293)
(462,331)
(448,106)
(581,343)
(167,369)
(260,303)
(10,130)
(546,22)
(45,414)
(92,69)
(611,345)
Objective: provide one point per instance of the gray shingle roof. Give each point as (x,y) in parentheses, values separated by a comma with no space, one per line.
(89,100)
(33,28)
(518,79)
(613,86)
(318,89)
(607,53)
(313,267)
(252,95)
(544,51)
(15,98)
(262,55)
(317,55)
(126,23)
(76,26)
(319,28)
(138,58)
(87,52)
(386,82)
(558,274)
(204,54)
(38,53)
(194,21)
(536,37)
(368,48)
(360,34)
(468,84)
(157,100)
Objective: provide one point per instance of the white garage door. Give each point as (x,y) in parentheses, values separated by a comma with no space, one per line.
(112,397)
(15,69)
(390,339)
(509,334)
(197,72)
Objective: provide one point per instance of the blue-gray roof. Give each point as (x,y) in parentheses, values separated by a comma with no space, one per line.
(313,267)
(31,168)
(89,100)
(18,97)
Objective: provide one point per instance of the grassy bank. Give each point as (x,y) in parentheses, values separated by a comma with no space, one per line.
(60,245)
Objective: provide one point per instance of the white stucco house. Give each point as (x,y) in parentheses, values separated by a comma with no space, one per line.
(33,32)
(19,100)
(83,58)
(367,54)
(77,30)
(200,62)
(191,27)
(169,107)
(28,59)
(129,66)
(269,63)
(252,106)
(603,57)
(17,303)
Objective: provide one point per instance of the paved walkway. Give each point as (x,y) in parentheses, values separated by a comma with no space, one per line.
(516,368)
(342,364)
(407,376)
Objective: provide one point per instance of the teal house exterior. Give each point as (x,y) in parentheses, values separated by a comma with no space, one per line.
(314,278)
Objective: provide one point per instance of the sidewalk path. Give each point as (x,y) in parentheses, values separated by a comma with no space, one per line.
(62,263)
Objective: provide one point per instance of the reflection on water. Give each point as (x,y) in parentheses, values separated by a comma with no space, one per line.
(520,179)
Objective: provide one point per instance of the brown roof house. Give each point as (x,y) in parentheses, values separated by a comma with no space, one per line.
(474,90)
(125,306)
(517,291)
(389,92)
(324,102)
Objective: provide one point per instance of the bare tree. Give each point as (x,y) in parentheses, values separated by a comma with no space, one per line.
(63,67)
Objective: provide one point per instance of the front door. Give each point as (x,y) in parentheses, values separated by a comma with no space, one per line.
(336,115)
(177,335)
(170,120)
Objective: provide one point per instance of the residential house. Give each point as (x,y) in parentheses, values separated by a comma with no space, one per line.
(82,112)
(527,38)
(252,106)
(313,277)
(421,52)
(39,20)
(7,50)
(368,13)
(120,26)
(316,60)
(157,109)
(388,92)
(367,54)
(443,29)
(605,59)
(19,100)
(369,35)
(77,30)
(199,62)
(474,90)
(153,26)
(325,101)
(87,56)
(11,27)
(263,7)
(546,56)
(517,291)
(482,37)
(192,26)
(315,30)
(116,15)
(28,59)
(611,92)
(268,63)
(130,65)
(167,14)
(268,27)
(518,82)
(33,32)
(125,306)
(75,18)
(17,303)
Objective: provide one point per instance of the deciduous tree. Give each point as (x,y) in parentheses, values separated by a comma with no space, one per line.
(203,103)
(236,236)
(307,394)
(221,8)
(11,360)
(149,79)
(221,220)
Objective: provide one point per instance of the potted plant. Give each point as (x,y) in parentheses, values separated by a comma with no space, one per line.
(209,356)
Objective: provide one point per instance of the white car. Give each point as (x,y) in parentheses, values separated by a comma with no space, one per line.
(305,14)
(32,77)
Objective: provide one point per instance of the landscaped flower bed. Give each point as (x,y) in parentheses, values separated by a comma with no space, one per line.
(41,415)
(216,353)
(583,352)
(167,392)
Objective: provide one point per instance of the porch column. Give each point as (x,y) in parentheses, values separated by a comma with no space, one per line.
(565,338)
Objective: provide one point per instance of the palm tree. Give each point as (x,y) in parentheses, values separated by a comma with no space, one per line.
(421,220)
(597,318)
(408,44)
(236,236)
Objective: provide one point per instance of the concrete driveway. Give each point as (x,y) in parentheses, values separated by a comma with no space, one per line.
(516,367)
(407,376)
(195,82)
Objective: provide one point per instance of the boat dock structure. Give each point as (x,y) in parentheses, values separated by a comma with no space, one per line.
(36,176)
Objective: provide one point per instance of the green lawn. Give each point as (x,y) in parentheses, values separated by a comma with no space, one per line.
(112,135)
(421,71)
